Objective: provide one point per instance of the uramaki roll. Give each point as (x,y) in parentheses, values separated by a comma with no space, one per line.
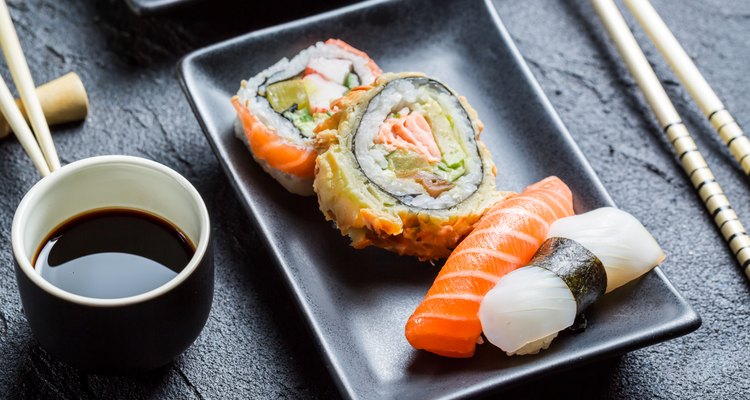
(278,108)
(401,166)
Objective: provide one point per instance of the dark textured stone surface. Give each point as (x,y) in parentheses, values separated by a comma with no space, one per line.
(255,345)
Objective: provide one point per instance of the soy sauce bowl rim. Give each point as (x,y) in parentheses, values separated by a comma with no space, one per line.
(52,179)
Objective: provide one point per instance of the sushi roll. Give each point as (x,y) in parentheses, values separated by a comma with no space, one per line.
(278,108)
(401,167)
(584,256)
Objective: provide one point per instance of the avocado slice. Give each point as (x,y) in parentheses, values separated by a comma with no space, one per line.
(283,95)
(404,161)
(445,136)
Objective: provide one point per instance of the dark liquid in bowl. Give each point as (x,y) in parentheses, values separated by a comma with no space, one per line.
(113,253)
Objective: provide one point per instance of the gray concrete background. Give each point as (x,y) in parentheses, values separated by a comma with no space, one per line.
(255,345)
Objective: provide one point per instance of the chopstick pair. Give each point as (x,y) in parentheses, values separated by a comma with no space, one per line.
(45,158)
(687,152)
(701,92)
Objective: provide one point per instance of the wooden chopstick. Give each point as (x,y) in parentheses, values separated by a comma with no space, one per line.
(25,85)
(701,92)
(18,124)
(685,148)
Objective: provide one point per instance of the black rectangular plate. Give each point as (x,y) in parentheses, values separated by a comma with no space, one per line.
(143,7)
(356,302)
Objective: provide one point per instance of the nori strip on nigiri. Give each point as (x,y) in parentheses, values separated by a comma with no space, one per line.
(579,268)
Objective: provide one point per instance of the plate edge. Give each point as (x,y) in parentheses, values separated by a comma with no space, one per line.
(143,10)
(196,54)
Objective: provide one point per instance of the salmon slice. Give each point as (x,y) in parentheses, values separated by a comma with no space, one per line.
(409,132)
(277,151)
(504,239)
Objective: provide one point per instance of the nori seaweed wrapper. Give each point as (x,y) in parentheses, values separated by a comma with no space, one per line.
(579,268)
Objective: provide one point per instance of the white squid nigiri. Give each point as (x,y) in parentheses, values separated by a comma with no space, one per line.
(526,309)
(617,238)
(583,256)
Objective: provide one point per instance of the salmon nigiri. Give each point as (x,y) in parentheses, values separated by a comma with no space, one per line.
(505,238)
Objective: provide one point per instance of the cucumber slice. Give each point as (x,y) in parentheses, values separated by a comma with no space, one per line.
(454,158)
(351,81)
(283,95)
(450,173)
(302,120)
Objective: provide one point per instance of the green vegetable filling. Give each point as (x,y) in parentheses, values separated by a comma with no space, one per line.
(290,99)
(351,81)
(451,166)
(302,119)
(450,173)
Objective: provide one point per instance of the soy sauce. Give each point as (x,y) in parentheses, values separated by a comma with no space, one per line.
(113,253)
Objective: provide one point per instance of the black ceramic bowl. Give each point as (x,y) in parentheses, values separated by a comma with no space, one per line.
(128,334)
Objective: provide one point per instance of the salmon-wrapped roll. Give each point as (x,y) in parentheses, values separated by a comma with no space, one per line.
(400,166)
(278,108)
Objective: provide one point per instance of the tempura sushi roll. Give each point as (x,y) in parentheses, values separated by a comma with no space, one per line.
(278,108)
(401,167)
